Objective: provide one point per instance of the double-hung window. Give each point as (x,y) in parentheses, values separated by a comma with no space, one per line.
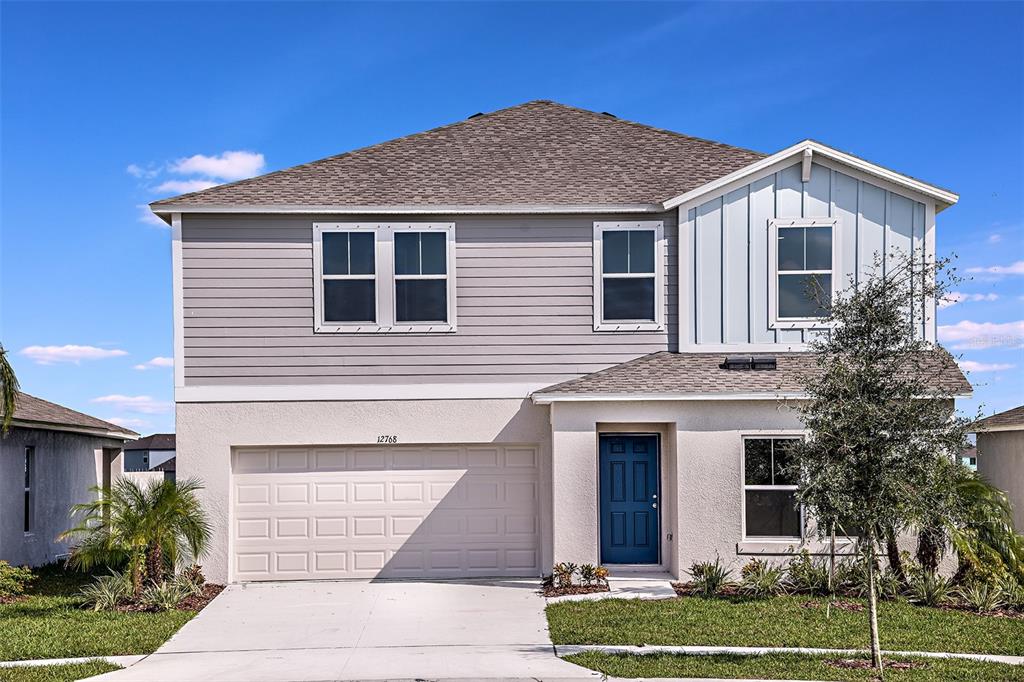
(770,510)
(804,274)
(629,276)
(384,277)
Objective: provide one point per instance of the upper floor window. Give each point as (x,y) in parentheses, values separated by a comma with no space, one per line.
(384,277)
(803,263)
(769,494)
(629,276)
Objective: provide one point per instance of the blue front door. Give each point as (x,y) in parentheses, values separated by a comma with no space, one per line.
(629,499)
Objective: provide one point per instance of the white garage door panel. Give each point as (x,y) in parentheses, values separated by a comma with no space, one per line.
(400,511)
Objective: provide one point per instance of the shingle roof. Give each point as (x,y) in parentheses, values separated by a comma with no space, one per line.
(35,412)
(667,373)
(1003,420)
(168,465)
(537,153)
(157,441)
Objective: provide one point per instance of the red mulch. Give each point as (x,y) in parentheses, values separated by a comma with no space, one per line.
(12,598)
(192,603)
(552,591)
(864,663)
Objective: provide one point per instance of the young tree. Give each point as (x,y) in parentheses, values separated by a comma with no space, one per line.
(878,415)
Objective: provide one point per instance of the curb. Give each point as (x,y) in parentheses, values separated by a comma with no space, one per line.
(123,661)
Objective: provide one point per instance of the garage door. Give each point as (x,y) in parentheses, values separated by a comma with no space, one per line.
(390,512)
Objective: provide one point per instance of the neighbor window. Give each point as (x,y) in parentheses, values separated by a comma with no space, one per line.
(769,493)
(629,276)
(30,456)
(804,269)
(384,277)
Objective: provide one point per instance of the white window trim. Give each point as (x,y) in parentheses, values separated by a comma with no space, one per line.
(774,321)
(744,488)
(658,324)
(384,276)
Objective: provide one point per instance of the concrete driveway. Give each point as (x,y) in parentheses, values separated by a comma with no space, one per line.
(317,631)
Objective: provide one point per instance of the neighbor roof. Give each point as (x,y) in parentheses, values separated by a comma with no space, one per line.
(36,413)
(666,375)
(535,154)
(1010,420)
(157,441)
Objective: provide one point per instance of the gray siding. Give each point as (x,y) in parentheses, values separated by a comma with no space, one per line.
(725,272)
(524,295)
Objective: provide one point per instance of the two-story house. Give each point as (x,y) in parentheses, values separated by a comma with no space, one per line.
(498,344)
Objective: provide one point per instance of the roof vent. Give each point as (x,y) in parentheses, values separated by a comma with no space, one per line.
(748,362)
(762,362)
(479,113)
(605,113)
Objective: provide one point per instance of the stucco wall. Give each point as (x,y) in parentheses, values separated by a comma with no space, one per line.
(206,433)
(67,465)
(1001,463)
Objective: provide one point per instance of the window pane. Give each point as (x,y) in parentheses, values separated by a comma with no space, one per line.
(772,514)
(349,300)
(819,248)
(432,252)
(641,251)
(407,253)
(361,258)
(791,248)
(804,295)
(757,461)
(335,246)
(421,300)
(615,251)
(781,459)
(629,299)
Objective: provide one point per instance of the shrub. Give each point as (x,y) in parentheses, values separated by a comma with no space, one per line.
(588,573)
(806,575)
(163,596)
(563,573)
(601,575)
(889,584)
(1013,593)
(107,591)
(709,576)
(14,580)
(981,596)
(191,584)
(760,579)
(929,589)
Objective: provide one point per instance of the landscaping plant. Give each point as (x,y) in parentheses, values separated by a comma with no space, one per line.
(709,577)
(760,579)
(877,423)
(164,596)
(14,580)
(588,574)
(805,575)
(981,596)
(563,573)
(929,589)
(107,591)
(8,391)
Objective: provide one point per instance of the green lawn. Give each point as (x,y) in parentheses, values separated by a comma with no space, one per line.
(788,667)
(55,673)
(781,622)
(52,624)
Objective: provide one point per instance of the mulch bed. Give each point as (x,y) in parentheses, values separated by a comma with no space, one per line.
(196,602)
(998,613)
(864,663)
(11,599)
(552,591)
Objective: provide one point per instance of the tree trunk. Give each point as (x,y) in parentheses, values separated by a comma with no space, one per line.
(876,647)
(929,548)
(892,550)
(136,566)
(155,564)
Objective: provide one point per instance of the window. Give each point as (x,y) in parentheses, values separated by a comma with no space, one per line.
(769,498)
(803,256)
(384,277)
(30,457)
(629,276)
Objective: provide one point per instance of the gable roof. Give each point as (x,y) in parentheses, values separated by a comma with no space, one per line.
(685,376)
(540,153)
(157,441)
(35,413)
(1010,420)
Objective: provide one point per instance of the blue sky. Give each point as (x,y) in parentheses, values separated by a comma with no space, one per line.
(102,102)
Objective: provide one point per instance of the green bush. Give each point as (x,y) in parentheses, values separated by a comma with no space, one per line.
(761,579)
(806,575)
(14,580)
(929,589)
(163,596)
(107,591)
(1013,593)
(981,596)
(709,577)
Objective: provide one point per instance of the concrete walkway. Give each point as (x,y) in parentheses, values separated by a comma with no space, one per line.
(628,586)
(312,631)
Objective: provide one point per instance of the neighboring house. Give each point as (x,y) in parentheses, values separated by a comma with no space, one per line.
(168,468)
(505,342)
(969,458)
(1001,456)
(49,460)
(147,453)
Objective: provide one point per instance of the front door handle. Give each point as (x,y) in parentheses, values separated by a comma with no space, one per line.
(654,505)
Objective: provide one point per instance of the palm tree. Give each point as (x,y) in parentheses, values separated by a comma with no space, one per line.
(8,391)
(148,527)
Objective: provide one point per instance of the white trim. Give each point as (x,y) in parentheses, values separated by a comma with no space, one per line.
(805,166)
(741,348)
(178,300)
(355,392)
(658,323)
(84,430)
(995,429)
(449,277)
(943,197)
(548,398)
(413,209)
(774,321)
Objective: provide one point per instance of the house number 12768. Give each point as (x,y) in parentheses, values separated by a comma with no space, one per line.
(387,439)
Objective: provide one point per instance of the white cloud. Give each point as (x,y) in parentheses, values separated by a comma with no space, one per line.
(128,422)
(183,186)
(231,165)
(967,334)
(48,355)
(142,404)
(995,238)
(150,218)
(1016,268)
(972,366)
(155,362)
(137,171)
(954,297)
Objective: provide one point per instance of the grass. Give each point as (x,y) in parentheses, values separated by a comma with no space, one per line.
(788,667)
(51,623)
(780,622)
(55,673)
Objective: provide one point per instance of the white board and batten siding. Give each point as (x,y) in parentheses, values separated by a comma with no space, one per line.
(525,292)
(724,262)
